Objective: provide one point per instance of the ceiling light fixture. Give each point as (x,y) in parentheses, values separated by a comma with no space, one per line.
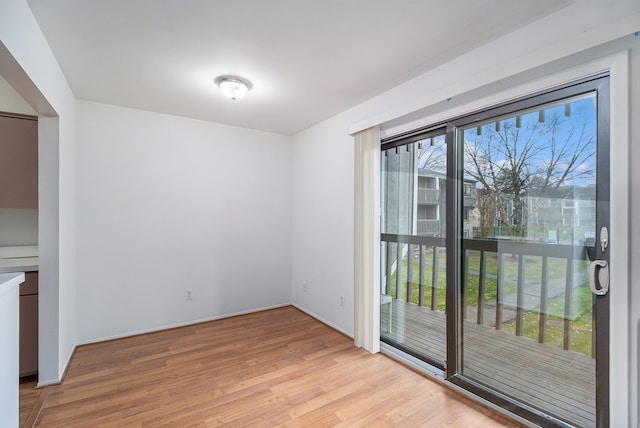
(233,86)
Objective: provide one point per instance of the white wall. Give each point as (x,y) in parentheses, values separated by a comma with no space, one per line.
(11,101)
(18,226)
(167,204)
(585,31)
(28,65)
(323,225)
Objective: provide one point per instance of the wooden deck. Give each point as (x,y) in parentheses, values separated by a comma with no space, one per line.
(546,377)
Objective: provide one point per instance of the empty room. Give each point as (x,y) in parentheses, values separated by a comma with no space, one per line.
(319,213)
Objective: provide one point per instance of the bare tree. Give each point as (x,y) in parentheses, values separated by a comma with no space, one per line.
(518,156)
(488,208)
(432,154)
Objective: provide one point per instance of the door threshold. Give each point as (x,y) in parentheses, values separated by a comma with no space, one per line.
(436,374)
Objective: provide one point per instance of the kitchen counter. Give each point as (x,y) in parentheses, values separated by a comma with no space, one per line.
(9,347)
(19,259)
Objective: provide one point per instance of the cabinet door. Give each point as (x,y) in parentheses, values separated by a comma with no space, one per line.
(28,334)
(18,163)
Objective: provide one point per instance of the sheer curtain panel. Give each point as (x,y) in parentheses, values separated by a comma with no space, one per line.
(367,239)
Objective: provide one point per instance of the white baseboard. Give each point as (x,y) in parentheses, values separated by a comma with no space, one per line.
(322,320)
(182,324)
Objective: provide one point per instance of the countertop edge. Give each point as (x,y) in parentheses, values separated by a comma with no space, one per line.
(18,269)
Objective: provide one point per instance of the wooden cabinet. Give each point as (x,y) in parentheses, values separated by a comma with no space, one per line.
(29,325)
(19,216)
(18,162)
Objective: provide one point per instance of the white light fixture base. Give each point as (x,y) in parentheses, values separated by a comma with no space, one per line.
(233,87)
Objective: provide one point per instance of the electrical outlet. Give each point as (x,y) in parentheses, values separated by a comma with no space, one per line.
(187,294)
(305,287)
(341,300)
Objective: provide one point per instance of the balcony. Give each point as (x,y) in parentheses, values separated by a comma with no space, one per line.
(428,196)
(429,227)
(520,316)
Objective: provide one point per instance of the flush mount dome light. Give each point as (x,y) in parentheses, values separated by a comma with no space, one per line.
(233,86)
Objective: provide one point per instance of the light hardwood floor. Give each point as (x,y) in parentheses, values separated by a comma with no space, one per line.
(30,400)
(273,368)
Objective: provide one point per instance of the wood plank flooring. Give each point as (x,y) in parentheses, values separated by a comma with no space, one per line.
(274,368)
(543,376)
(30,400)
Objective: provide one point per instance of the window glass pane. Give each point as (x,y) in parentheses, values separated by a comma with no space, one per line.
(527,306)
(413,253)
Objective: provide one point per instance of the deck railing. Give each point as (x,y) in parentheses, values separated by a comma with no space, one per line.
(418,252)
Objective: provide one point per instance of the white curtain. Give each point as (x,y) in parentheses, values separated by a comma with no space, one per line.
(367,239)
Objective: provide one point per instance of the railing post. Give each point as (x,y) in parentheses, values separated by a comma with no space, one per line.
(520,295)
(388,269)
(421,277)
(409,294)
(499,292)
(465,281)
(481,287)
(593,326)
(398,268)
(542,328)
(434,279)
(567,305)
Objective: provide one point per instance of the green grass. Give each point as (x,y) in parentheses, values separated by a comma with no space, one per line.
(556,269)
(428,289)
(580,334)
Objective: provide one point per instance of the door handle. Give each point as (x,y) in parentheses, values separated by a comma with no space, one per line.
(601,267)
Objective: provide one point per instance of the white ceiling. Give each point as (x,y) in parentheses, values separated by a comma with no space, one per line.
(308,59)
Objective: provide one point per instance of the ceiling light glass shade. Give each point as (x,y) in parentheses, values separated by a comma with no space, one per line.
(233,86)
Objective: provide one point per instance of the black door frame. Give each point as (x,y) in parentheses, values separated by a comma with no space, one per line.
(600,85)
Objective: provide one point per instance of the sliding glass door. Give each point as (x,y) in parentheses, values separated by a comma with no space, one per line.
(413,252)
(509,299)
